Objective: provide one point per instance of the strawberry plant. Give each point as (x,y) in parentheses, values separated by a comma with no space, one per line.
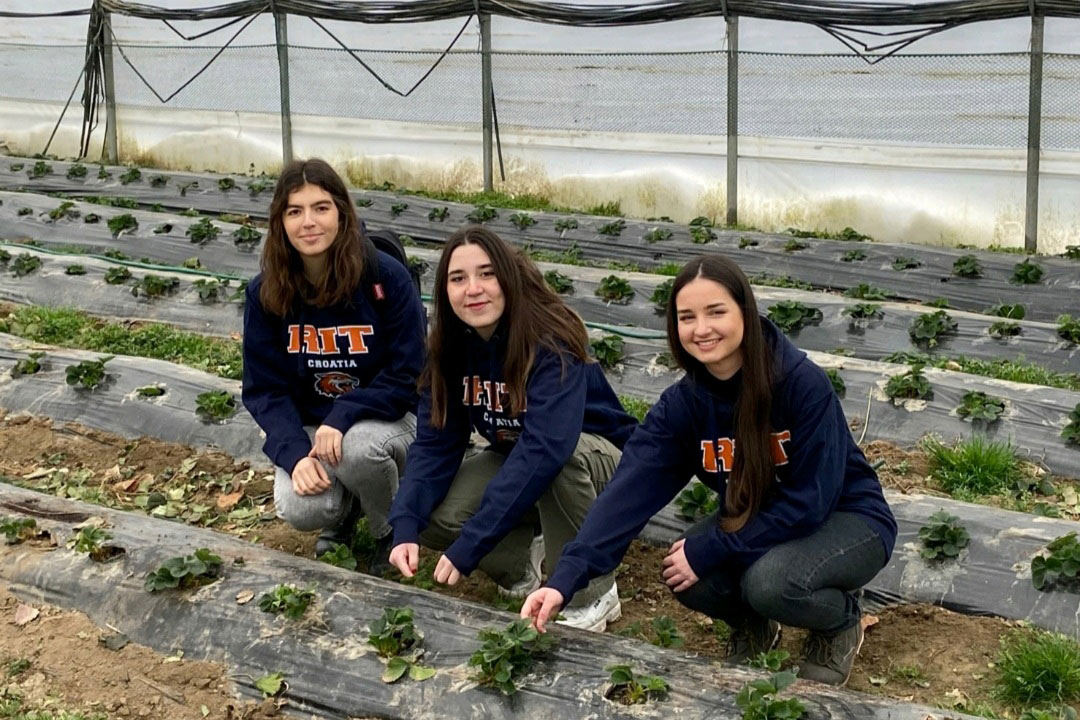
(15,529)
(439,214)
(152,286)
(88,374)
(339,556)
(863,291)
(149,391)
(943,537)
(210,290)
(505,655)
(24,211)
(967,266)
(613,228)
(184,187)
(977,405)
(16,167)
(794,245)
(91,218)
(608,350)
(837,382)
(564,224)
(246,237)
(76,171)
(702,221)
(928,327)
(226,184)
(40,170)
(395,638)
(163,229)
(1058,565)
(758,699)
(661,296)
(912,384)
(261,184)
(853,256)
(287,600)
(863,311)
(629,688)
(418,265)
(102,173)
(29,365)
(188,571)
(1026,273)
(769,660)
(657,235)
(202,231)
(25,264)
(522,221)
(1072,252)
(157,181)
(482,213)
(132,174)
(215,405)
(558,282)
(937,303)
(66,209)
(115,254)
(696,502)
(745,242)
(791,315)
(1071,432)
(89,540)
(701,234)
(667,632)
(122,223)
(1013,311)
(1003,329)
(904,262)
(5,257)
(117,275)
(1068,328)
(615,289)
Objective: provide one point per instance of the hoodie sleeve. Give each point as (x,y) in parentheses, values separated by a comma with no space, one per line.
(551,426)
(266,384)
(392,392)
(433,461)
(817,458)
(657,462)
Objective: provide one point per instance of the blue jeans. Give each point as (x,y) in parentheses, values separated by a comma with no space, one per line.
(810,582)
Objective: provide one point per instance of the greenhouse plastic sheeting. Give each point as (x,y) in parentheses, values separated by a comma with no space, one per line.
(329,669)
(819,263)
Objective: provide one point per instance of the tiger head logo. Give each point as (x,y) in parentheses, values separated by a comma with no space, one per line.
(332,384)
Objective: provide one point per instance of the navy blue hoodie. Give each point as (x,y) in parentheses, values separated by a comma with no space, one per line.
(560,404)
(334,365)
(689,431)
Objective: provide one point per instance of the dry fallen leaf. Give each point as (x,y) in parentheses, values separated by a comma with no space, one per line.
(244,597)
(869,621)
(25,614)
(112,474)
(228,502)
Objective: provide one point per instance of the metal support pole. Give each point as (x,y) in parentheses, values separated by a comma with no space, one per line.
(733,120)
(280,25)
(1031,213)
(485,72)
(112,151)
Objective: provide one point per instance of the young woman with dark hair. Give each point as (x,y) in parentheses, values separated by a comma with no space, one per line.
(802,525)
(333,346)
(507,358)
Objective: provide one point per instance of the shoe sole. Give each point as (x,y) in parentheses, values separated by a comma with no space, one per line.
(613,615)
(858,647)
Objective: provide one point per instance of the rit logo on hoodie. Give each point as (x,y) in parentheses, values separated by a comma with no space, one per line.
(329,340)
(485,393)
(719,456)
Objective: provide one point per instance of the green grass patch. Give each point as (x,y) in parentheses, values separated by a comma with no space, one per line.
(1037,668)
(638,407)
(975,467)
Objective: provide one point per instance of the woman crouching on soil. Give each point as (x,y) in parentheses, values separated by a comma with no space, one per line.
(507,358)
(802,523)
(334,335)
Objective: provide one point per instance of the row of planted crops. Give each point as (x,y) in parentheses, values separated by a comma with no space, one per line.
(991,354)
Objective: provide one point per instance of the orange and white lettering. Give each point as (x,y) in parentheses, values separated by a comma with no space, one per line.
(294,339)
(720,456)
(477,391)
(355,335)
(708,456)
(328,340)
(496,401)
(779,452)
(726,453)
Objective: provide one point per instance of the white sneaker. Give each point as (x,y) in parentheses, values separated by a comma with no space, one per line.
(530,581)
(596,615)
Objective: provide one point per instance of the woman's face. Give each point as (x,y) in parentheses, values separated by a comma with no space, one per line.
(710,326)
(473,290)
(311,221)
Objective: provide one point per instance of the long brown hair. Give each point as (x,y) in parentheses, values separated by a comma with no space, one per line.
(534,315)
(284,285)
(752,473)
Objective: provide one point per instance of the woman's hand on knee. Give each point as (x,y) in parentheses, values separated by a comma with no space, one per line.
(327,445)
(541,606)
(309,477)
(445,572)
(406,558)
(677,571)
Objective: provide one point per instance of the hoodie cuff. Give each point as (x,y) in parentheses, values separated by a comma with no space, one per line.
(340,418)
(406,530)
(567,581)
(703,554)
(464,555)
(291,453)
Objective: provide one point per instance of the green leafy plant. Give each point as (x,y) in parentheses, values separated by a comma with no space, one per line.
(1071,432)
(150,391)
(863,311)
(564,224)
(667,632)
(1072,252)
(17,667)
(928,327)
(1003,329)
(1061,713)
(558,282)
(522,221)
(904,262)
(909,385)
(745,242)
(5,257)
(202,231)
(287,600)
(1058,565)
(226,184)
(629,688)
(937,303)
(791,315)
(340,556)
(16,529)
(40,170)
(210,290)
(88,374)
(66,209)
(24,211)
(975,467)
(259,185)
(662,294)
(246,237)
(393,633)
(159,181)
(132,174)
(215,405)
(853,256)
(91,218)
(614,289)
(122,223)
(1026,273)
(272,684)
(696,502)
(16,167)
(608,350)
(482,213)
(24,264)
(794,245)
(187,571)
(1068,328)
(439,214)
(863,291)
(115,254)
(837,382)
(102,173)
(1014,311)
(1037,668)
(943,537)
(967,266)
(505,655)
(769,660)
(155,286)
(758,699)
(163,229)
(117,275)
(977,405)
(657,235)
(613,228)
(701,234)
(29,365)
(90,540)
(76,171)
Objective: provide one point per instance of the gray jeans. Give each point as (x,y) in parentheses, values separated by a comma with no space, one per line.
(809,582)
(372,459)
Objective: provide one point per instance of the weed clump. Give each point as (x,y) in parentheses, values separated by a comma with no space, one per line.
(215,405)
(1038,668)
(975,467)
